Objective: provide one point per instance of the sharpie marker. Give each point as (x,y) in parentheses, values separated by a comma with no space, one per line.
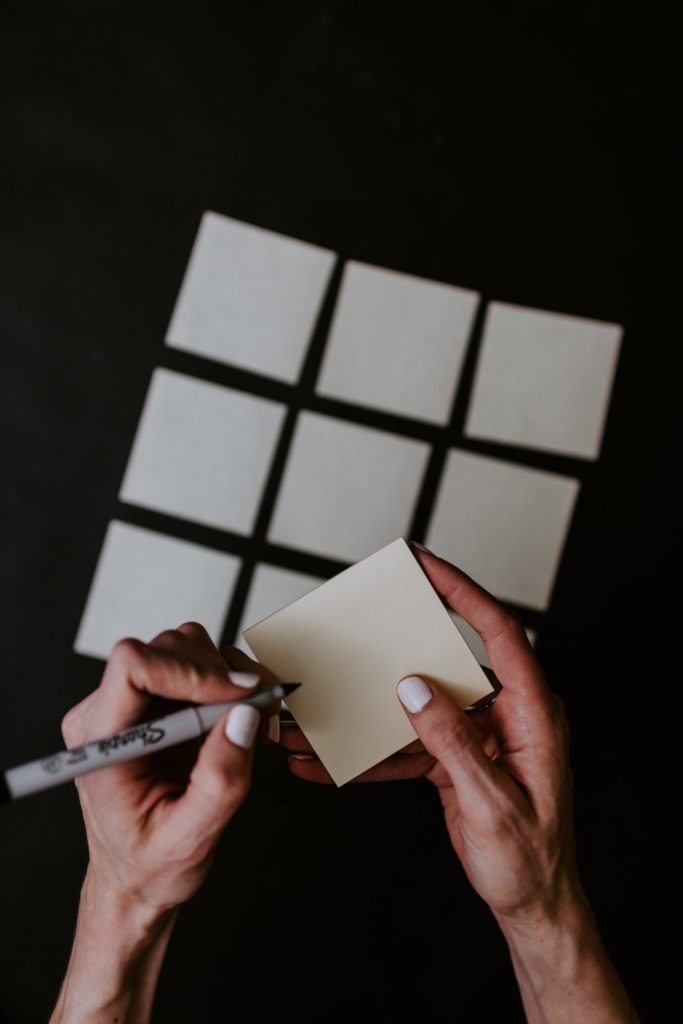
(136,741)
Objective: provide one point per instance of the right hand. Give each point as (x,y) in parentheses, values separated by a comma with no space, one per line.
(153,823)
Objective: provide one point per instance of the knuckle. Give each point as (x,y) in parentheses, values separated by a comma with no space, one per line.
(192,629)
(74,724)
(167,638)
(194,677)
(127,651)
(449,733)
(223,788)
(506,622)
(239,787)
(214,786)
(69,726)
(511,623)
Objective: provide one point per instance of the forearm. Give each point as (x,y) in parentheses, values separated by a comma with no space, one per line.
(564,973)
(115,961)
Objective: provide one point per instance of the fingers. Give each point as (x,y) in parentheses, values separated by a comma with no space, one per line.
(237,660)
(451,737)
(507,645)
(221,777)
(309,768)
(292,738)
(410,763)
(177,665)
(392,769)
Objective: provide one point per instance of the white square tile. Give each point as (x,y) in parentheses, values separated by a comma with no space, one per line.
(504,525)
(250,297)
(271,589)
(397,342)
(202,451)
(543,380)
(349,641)
(475,642)
(347,490)
(145,582)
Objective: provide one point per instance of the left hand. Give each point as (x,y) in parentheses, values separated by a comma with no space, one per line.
(502,774)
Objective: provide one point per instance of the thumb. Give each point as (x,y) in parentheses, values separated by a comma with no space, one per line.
(221,777)
(449,735)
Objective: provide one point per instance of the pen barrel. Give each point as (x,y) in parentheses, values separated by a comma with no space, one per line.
(210,713)
(139,740)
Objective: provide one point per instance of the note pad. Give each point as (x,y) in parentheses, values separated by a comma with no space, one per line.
(347,489)
(250,297)
(202,451)
(503,524)
(349,642)
(543,380)
(271,588)
(397,342)
(146,582)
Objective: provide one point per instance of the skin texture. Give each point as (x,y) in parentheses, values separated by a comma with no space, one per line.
(504,781)
(502,774)
(152,824)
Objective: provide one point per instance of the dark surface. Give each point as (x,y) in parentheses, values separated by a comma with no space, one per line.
(532,160)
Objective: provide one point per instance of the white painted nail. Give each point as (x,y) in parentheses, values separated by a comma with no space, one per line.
(242,724)
(414,693)
(415,544)
(302,757)
(247,680)
(274,728)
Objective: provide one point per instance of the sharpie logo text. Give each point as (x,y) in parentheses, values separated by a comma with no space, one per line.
(146,734)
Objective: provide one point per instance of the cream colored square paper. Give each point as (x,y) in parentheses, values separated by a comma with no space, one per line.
(349,642)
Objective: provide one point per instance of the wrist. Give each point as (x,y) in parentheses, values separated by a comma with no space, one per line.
(554,940)
(102,898)
(561,912)
(562,967)
(116,958)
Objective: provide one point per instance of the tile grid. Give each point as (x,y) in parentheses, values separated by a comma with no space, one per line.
(298,400)
(254,548)
(451,434)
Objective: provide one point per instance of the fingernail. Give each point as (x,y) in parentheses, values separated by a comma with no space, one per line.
(415,544)
(274,728)
(242,724)
(247,680)
(414,693)
(301,757)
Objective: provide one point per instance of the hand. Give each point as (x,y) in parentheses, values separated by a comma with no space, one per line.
(502,774)
(153,823)
(504,782)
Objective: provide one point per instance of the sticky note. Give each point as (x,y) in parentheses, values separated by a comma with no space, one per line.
(346,489)
(349,642)
(397,342)
(202,451)
(543,380)
(503,524)
(146,582)
(271,588)
(250,297)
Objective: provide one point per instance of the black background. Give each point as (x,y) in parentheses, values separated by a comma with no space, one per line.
(526,154)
